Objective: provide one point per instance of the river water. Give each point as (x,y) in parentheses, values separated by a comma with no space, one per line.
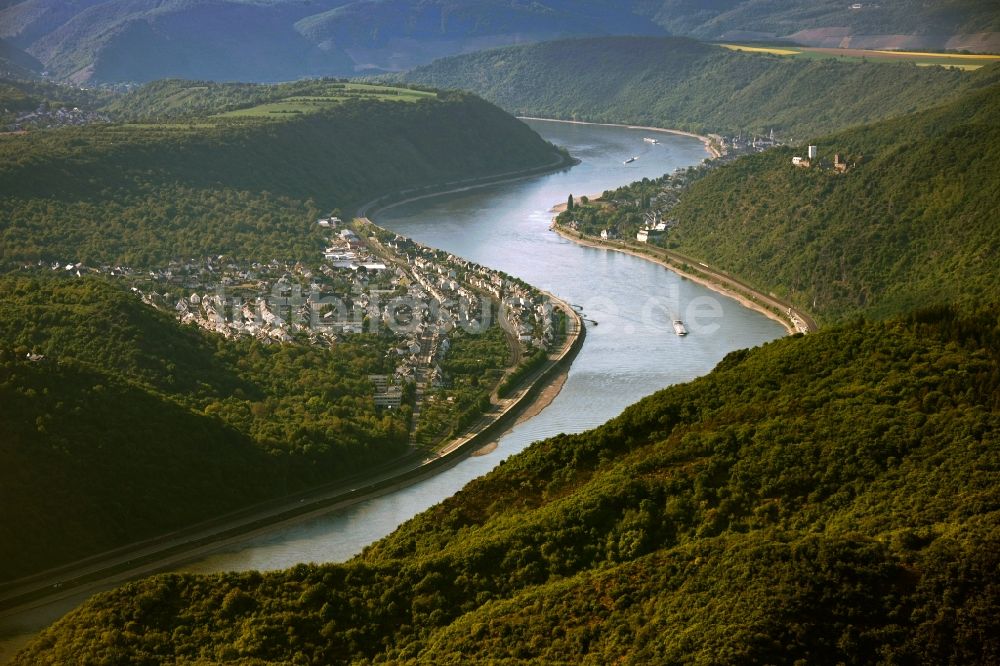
(630,353)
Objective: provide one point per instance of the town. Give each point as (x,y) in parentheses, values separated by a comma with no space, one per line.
(368,281)
(46,117)
(641,210)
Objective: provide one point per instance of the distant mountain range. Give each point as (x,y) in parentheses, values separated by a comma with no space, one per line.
(266,40)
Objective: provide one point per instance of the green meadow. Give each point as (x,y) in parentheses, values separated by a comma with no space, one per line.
(334,95)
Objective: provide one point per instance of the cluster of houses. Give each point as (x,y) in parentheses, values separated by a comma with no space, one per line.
(530,319)
(417,293)
(462,291)
(44,117)
(347,250)
(656,216)
(260,317)
(654,225)
(744,144)
(388,394)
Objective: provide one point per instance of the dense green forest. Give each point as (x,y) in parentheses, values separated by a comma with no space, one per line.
(912,222)
(245,187)
(823,499)
(683,84)
(132,425)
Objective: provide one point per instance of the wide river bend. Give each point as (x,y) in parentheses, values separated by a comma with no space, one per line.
(631,352)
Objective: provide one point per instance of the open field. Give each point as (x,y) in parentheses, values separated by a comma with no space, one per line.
(921,58)
(336,94)
(773,50)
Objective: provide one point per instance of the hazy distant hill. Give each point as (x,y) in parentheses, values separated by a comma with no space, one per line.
(266,40)
(135,40)
(16,63)
(276,40)
(681,83)
(399,34)
(953,24)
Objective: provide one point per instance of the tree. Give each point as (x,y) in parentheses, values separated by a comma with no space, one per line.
(569,203)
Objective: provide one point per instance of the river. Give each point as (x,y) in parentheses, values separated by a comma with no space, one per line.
(631,352)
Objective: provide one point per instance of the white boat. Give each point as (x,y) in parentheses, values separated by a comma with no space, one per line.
(679,327)
(650,140)
(630,160)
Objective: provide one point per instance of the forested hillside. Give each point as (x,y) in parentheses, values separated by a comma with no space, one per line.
(130,424)
(912,222)
(679,83)
(250,186)
(823,499)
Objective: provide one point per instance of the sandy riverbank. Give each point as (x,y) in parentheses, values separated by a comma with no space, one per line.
(591,198)
(700,279)
(707,141)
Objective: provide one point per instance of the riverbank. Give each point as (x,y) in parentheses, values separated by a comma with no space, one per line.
(591,199)
(794,321)
(709,143)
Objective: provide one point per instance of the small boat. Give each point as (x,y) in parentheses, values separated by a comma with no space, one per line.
(650,140)
(630,160)
(679,327)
